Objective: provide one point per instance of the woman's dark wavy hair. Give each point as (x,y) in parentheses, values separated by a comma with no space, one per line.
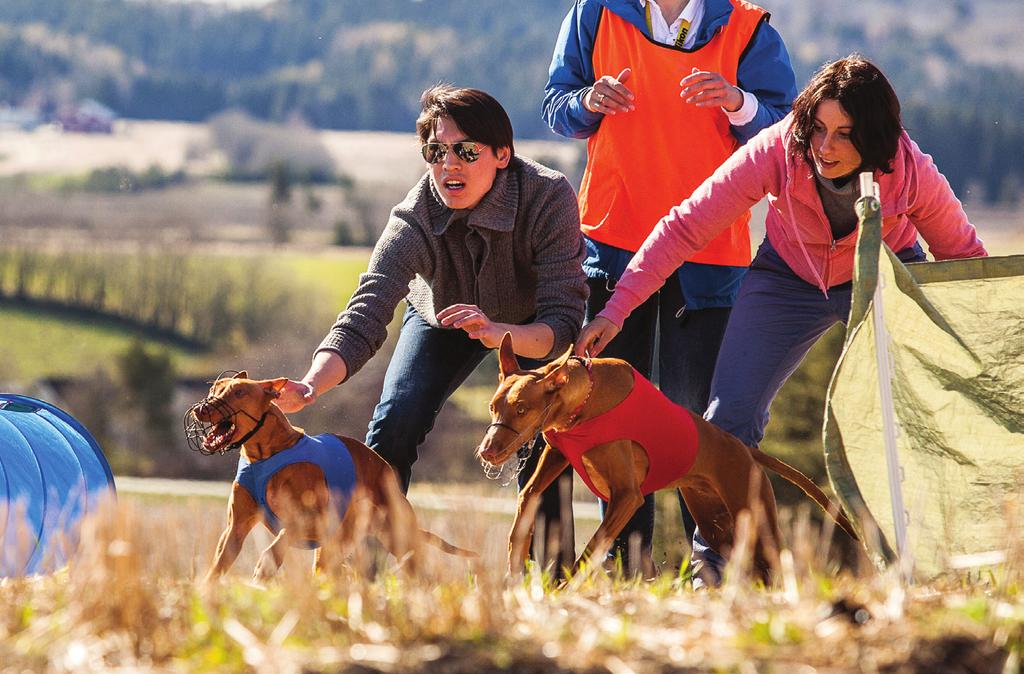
(477,113)
(869,100)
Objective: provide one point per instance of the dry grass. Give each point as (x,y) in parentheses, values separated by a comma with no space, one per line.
(135,144)
(202,210)
(384,165)
(374,157)
(131,601)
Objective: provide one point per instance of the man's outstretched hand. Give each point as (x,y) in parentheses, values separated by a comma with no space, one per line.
(295,396)
(475,323)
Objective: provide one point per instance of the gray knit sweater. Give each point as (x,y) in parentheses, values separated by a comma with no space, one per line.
(517,256)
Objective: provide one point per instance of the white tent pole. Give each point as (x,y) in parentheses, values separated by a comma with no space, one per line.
(868,187)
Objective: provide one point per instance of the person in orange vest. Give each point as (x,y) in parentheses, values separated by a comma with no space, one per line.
(664,91)
(846,121)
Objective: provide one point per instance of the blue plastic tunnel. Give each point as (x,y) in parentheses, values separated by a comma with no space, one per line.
(52,473)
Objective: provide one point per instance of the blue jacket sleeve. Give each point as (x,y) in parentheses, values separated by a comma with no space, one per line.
(766,72)
(572,73)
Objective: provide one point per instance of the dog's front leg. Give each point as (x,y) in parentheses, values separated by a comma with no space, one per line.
(242,516)
(616,468)
(274,552)
(549,467)
(622,505)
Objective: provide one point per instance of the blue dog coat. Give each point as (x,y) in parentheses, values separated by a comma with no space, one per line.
(326,451)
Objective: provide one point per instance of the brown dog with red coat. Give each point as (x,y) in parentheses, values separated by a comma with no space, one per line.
(576,401)
(322,492)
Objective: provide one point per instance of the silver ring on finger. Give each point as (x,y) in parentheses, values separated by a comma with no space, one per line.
(600,97)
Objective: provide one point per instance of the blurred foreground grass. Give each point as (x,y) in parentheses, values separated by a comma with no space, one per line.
(131,602)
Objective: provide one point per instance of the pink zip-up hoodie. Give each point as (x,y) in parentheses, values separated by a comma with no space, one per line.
(915,198)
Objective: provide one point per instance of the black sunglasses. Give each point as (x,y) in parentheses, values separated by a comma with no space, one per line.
(466,150)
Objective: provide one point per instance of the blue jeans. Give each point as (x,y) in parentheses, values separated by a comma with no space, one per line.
(428,365)
(688,343)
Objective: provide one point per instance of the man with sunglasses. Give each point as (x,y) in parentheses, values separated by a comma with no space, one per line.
(485,243)
(664,91)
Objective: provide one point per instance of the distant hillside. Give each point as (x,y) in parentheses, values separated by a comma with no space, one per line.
(350,64)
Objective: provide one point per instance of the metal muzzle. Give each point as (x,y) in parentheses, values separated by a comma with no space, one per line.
(199,422)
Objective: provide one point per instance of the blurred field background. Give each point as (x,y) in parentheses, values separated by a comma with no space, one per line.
(186,279)
(223,223)
(121,305)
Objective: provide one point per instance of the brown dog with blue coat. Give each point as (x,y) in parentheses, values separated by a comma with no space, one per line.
(321,492)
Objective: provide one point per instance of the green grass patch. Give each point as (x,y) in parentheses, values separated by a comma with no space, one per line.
(39,343)
(335,275)
(36,344)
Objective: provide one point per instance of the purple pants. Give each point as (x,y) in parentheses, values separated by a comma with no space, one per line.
(776,320)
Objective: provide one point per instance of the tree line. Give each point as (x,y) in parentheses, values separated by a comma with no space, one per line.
(198,301)
(348,64)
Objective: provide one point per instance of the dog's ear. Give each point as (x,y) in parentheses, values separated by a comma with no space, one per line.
(556,379)
(558,373)
(507,362)
(564,358)
(241,375)
(273,387)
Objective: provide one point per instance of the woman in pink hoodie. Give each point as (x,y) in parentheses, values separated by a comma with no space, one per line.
(847,120)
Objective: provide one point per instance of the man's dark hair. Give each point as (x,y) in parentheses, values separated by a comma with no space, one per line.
(866,96)
(476,112)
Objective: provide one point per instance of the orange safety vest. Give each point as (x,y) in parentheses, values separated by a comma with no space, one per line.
(642,163)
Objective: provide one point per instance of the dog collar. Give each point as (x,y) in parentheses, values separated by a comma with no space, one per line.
(590,380)
(572,417)
(245,438)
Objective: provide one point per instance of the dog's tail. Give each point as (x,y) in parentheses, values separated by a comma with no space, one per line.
(445,546)
(803,482)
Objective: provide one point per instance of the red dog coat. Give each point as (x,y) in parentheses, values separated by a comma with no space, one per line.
(665,430)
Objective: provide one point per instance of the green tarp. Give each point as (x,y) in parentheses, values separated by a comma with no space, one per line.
(954,332)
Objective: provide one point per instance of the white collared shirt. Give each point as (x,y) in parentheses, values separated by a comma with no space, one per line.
(666,34)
